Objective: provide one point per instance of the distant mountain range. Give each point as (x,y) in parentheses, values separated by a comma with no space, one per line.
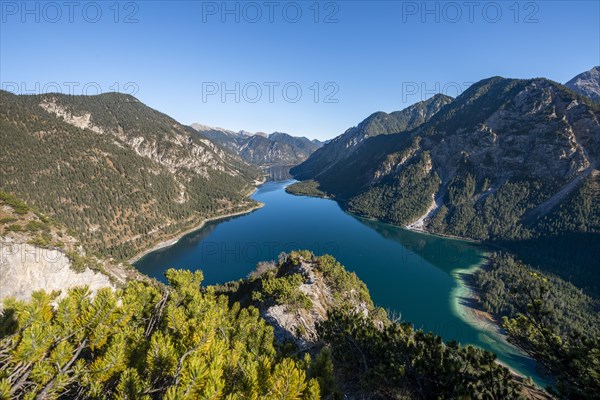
(118,173)
(587,84)
(507,161)
(265,150)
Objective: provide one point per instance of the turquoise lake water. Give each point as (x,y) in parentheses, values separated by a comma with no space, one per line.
(415,275)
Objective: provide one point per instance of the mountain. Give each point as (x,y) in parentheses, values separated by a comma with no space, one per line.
(587,84)
(228,139)
(276,149)
(508,161)
(120,174)
(379,123)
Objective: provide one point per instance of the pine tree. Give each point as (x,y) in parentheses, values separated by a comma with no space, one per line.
(143,342)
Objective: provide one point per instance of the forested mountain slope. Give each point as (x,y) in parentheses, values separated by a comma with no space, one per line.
(496,164)
(117,172)
(39,253)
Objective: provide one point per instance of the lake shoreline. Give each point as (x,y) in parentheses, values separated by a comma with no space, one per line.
(173,239)
(407,227)
(474,314)
(466,298)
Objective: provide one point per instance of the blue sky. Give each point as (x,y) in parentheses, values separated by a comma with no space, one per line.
(347,58)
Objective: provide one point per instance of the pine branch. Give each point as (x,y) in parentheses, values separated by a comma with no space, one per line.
(44,393)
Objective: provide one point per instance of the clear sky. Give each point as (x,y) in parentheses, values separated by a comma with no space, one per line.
(241,65)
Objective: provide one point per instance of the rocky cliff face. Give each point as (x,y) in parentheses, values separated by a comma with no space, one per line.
(25,268)
(277,149)
(587,84)
(149,133)
(535,130)
(299,325)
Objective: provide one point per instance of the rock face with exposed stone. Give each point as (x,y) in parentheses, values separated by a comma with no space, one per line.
(25,268)
(328,286)
(587,83)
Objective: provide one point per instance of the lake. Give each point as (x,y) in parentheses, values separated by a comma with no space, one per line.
(415,275)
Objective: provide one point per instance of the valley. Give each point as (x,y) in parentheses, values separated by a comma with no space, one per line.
(467,229)
(300,200)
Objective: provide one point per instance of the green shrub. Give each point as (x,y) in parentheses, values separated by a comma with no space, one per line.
(172,343)
(17,205)
(13,228)
(286,291)
(34,226)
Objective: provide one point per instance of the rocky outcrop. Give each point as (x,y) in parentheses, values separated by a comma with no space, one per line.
(25,268)
(37,253)
(325,285)
(536,131)
(587,84)
(173,146)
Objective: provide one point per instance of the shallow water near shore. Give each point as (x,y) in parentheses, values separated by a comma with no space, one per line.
(415,275)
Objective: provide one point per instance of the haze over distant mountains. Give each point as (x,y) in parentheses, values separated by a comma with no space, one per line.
(268,151)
